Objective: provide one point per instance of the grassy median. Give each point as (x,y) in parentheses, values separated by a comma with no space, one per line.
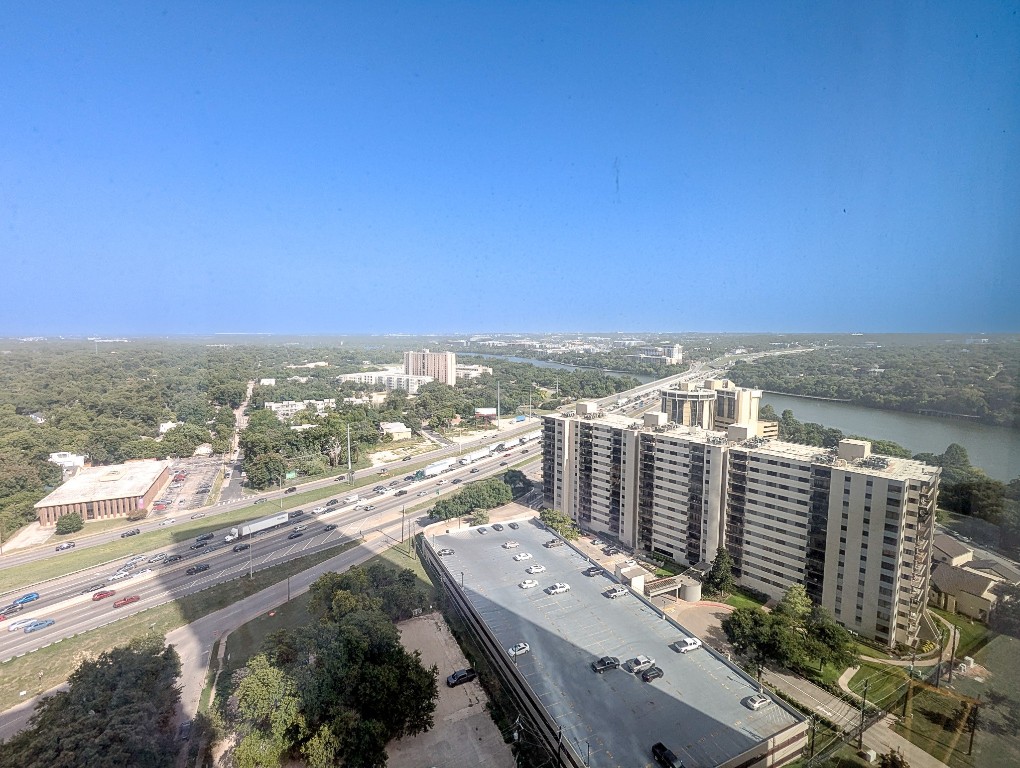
(41,670)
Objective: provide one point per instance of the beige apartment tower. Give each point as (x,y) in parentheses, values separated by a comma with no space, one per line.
(441,366)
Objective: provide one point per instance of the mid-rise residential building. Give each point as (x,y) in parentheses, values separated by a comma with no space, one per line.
(672,354)
(855,529)
(473,371)
(715,404)
(442,366)
(286,409)
(389,379)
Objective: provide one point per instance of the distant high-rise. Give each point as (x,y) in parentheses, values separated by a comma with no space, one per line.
(441,366)
(855,529)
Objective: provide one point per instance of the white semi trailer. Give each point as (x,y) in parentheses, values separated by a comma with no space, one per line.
(248,530)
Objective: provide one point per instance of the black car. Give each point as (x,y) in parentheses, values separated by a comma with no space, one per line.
(380,489)
(409,478)
(292,489)
(652,673)
(406,458)
(444,552)
(502,463)
(330,527)
(665,757)
(497,527)
(593,571)
(199,544)
(241,547)
(173,559)
(395,482)
(455,481)
(15,607)
(606,662)
(295,514)
(259,501)
(132,532)
(473,470)
(93,588)
(332,502)
(197,569)
(460,677)
(513,526)
(296,535)
(206,537)
(401,492)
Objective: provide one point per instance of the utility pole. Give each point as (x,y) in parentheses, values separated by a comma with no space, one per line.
(497,406)
(952,654)
(864,703)
(973,726)
(350,475)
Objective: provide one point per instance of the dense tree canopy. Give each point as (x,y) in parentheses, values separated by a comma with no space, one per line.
(119,710)
(560,522)
(481,495)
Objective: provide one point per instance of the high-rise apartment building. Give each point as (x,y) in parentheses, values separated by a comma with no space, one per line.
(715,404)
(855,529)
(441,366)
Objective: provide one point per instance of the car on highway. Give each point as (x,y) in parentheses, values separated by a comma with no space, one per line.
(65,546)
(332,502)
(93,588)
(513,526)
(295,514)
(126,601)
(652,673)
(497,527)
(31,597)
(407,458)
(296,535)
(455,481)
(241,547)
(260,501)
(402,492)
(473,470)
(103,594)
(441,482)
(20,624)
(144,572)
(200,545)
(558,588)
(39,624)
(205,537)
(511,544)
(369,507)
(445,552)
(173,559)
(168,521)
(528,584)
(502,463)
(300,527)
(159,557)
(198,516)
(535,569)
(757,701)
(132,532)
(292,489)
(460,677)
(197,569)
(506,455)
(519,649)
(330,527)
(606,662)
(123,574)
(523,556)
(423,493)
(394,483)
(380,489)
(318,510)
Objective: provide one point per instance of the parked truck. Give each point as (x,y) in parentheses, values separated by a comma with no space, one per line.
(474,456)
(438,467)
(247,530)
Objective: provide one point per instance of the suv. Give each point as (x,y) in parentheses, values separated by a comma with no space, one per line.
(652,673)
(665,757)
(197,569)
(460,677)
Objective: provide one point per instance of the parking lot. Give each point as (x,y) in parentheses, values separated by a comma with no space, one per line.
(190,492)
(700,706)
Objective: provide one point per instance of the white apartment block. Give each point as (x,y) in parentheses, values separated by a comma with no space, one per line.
(286,409)
(389,379)
(472,371)
(855,529)
(442,366)
(672,354)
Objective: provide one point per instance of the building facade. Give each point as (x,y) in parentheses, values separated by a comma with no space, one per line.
(441,366)
(389,379)
(102,493)
(855,529)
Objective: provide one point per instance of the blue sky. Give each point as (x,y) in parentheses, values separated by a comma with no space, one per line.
(509,166)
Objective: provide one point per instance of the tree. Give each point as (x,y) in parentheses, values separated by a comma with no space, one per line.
(719,580)
(795,605)
(893,759)
(1005,617)
(518,482)
(829,642)
(69,523)
(560,522)
(763,637)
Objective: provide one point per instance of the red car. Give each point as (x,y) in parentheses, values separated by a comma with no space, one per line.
(104,593)
(126,601)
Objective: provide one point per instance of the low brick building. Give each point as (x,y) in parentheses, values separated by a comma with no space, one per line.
(102,493)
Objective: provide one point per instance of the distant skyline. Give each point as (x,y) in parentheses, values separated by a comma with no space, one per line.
(406,167)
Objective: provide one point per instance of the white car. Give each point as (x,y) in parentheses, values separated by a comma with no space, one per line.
(519,649)
(528,584)
(597,542)
(639,664)
(510,545)
(522,556)
(20,624)
(616,591)
(158,557)
(536,569)
(144,572)
(119,575)
(299,527)
(168,521)
(318,510)
(757,701)
(441,482)
(558,588)
(687,644)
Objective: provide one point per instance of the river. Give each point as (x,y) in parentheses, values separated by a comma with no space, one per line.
(996,450)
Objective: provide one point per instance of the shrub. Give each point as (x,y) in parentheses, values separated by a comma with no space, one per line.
(69,523)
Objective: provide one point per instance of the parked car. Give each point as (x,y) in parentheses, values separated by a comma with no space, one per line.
(606,662)
(528,584)
(519,649)
(665,757)
(65,546)
(292,489)
(536,569)
(497,527)
(197,569)
(39,624)
(639,664)
(513,526)
(652,673)
(687,644)
(483,530)
(132,532)
(511,544)
(597,542)
(460,677)
(617,590)
(103,594)
(593,571)
(553,543)
(558,588)
(523,556)
(126,601)
(444,552)
(241,547)
(31,597)
(295,535)
(757,701)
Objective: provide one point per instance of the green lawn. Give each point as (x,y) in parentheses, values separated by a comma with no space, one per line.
(886,684)
(973,635)
(739,599)
(49,666)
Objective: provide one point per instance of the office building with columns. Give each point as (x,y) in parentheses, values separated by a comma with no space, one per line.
(102,493)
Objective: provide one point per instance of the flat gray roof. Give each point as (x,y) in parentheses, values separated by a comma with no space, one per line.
(116,481)
(697,709)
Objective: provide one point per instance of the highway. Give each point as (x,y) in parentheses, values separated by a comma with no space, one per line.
(68,599)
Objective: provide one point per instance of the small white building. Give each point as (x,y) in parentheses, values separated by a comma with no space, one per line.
(267,382)
(166,426)
(68,462)
(396,430)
